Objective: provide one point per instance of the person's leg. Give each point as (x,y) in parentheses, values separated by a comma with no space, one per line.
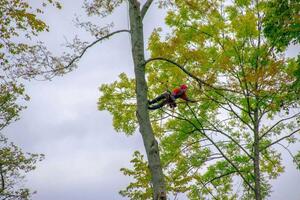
(157,106)
(158,98)
(172,105)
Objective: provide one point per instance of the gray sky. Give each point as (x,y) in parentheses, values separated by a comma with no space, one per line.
(83,152)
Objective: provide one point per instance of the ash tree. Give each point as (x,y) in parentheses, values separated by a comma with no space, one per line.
(228,144)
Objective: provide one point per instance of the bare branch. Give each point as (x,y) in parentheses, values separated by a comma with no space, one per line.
(93,43)
(76,58)
(145,8)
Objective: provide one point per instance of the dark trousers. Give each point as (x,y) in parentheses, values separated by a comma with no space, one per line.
(159,101)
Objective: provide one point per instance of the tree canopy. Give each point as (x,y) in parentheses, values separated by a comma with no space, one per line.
(231,55)
(246,102)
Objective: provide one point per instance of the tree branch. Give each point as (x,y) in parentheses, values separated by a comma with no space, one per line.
(247,92)
(215,145)
(287,149)
(85,49)
(145,8)
(200,81)
(240,118)
(208,34)
(287,136)
(231,138)
(95,42)
(225,134)
(179,66)
(219,177)
(282,120)
(208,190)
(218,148)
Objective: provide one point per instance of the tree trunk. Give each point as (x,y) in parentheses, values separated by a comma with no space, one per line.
(145,128)
(2,180)
(256,157)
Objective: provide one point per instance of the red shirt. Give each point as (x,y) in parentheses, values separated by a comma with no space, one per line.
(179,93)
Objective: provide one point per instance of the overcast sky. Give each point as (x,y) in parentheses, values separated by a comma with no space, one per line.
(83,152)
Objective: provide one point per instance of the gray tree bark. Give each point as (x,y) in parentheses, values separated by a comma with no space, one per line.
(145,128)
(256,157)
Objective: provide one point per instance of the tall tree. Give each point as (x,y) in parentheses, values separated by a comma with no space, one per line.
(137,42)
(137,12)
(246,102)
(25,61)
(19,58)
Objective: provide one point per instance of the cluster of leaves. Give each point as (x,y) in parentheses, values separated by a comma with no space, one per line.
(14,164)
(282,27)
(245,99)
(9,110)
(282,22)
(297,160)
(101,7)
(119,97)
(141,187)
(19,26)
(20,22)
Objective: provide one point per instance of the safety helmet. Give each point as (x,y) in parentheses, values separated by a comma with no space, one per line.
(183,86)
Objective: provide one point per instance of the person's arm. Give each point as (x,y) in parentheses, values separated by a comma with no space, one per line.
(185,97)
(191,100)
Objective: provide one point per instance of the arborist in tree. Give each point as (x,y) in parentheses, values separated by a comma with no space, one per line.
(169,98)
